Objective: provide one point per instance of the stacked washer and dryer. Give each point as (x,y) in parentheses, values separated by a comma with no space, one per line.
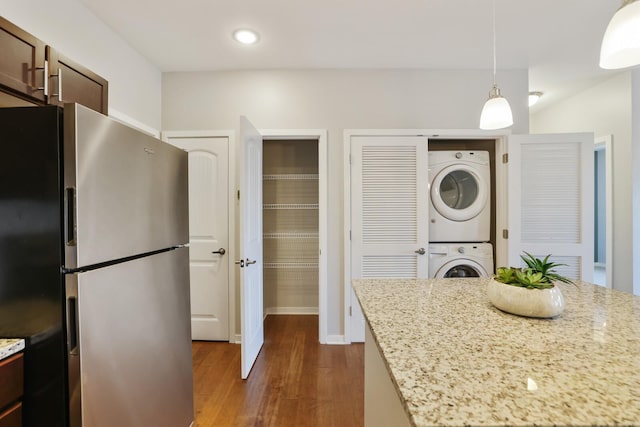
(460,214)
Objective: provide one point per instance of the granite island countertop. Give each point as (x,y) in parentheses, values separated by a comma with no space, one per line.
(10,346)
(456,360)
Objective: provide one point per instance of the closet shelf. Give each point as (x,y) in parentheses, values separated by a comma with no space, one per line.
(290,235)
(292,265)
(290,206)
(296,176)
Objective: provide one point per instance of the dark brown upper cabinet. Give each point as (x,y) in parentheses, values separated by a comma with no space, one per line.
(33,73)
(22,63)
(71,82)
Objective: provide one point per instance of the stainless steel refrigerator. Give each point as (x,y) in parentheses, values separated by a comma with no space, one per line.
(94,269)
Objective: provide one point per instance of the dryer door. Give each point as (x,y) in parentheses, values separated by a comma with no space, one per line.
(459,193)
(461,268)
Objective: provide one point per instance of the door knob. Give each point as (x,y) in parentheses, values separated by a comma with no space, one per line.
(220,251)
(249,262)
(241,263)
(420,251)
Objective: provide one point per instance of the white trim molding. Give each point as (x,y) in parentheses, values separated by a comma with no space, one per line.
(321,136)
(131,122)
(605,143)
(230,135)
(336,340)
(275,311)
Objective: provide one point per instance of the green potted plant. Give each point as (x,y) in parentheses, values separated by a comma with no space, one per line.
(528,291)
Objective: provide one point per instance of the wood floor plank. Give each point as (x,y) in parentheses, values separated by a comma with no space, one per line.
(295,381)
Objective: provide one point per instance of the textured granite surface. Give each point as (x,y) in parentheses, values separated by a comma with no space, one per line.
(10,346)
(457,360)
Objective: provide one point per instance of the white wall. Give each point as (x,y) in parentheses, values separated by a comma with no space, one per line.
(604,109)
(336,100)
(69,27)
(635,160)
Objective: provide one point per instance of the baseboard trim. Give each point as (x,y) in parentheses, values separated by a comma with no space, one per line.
(291,310)
(331,340)
(336,340)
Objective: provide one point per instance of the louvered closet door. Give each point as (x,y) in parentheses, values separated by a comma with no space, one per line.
(551,200)
(389,208)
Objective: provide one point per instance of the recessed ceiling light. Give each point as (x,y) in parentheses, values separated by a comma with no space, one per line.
(245,36)
(534,97)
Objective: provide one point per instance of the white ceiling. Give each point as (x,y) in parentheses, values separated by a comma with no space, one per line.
(557,40)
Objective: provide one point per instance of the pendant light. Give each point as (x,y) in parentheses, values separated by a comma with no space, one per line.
(496,113)
(621,42)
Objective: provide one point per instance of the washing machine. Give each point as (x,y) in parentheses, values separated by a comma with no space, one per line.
(460,196)
(460,260)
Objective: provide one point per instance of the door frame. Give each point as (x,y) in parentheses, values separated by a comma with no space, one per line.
(501,138)
(321,136)
(231,208)
(605,142)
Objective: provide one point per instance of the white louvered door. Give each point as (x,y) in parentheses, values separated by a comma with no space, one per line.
(551,200)
(389,212)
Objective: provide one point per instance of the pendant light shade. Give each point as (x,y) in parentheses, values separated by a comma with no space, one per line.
(621,42)
(496,113)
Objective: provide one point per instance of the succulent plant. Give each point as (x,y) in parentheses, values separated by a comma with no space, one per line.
(538,274)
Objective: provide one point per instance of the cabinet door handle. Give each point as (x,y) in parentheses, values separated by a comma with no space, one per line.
(220,251)
(420,251)
(59,76)
(249,262)
(45,78)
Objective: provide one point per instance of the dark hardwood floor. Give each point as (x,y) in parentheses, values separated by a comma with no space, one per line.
(294,382)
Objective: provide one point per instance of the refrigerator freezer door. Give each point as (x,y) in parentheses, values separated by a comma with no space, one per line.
(126,193)
(129,343)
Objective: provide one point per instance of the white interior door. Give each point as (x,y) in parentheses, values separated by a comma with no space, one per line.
(389,212)
(551,200)
(208,235)
(251,304)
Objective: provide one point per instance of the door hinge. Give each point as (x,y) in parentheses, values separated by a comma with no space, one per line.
(505,158)
(505,234)
(238,194)
(350,311)
(349,234)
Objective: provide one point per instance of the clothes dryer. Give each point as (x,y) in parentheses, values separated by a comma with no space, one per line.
(460,196)
(460,260)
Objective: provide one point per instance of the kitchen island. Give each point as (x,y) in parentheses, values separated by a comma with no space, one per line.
(450,358)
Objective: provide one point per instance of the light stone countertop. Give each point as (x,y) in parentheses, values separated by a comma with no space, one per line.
(10,346)
(456,360)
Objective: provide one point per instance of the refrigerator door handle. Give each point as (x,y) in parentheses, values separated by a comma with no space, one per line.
(73,350)
(69,216)
(72,325)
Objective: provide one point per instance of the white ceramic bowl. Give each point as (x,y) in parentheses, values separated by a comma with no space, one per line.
(526,302)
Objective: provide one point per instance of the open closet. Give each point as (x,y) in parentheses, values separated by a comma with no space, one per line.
(290,226)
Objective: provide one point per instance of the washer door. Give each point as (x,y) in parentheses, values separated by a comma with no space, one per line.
(458,193)
(461,268)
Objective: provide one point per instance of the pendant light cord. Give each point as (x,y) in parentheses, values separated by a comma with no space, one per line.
(494,42)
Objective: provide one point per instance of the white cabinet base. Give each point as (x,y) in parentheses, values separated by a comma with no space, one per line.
(382,405)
